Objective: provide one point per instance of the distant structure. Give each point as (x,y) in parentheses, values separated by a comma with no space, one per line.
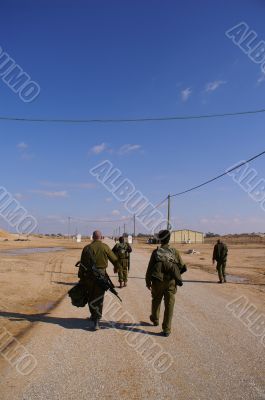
(186,236)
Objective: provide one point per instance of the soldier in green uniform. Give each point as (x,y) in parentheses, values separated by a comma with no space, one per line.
(101,253)
(220,252)
(122,251)
(162,278)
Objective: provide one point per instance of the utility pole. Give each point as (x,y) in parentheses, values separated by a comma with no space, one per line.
(69,218)
(168,212)
(134,225)
(119,231)
(124,229)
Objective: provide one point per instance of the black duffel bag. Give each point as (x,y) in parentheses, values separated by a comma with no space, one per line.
(78,295)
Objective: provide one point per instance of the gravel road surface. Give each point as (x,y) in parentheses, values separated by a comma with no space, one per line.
(211,354)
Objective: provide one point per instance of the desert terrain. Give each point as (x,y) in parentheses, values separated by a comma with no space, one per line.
(210,354)
(35,274)
(245,264)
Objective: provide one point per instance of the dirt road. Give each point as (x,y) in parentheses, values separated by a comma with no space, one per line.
(211,353)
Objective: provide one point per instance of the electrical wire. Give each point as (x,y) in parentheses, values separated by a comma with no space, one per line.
(126,120)
(161,202)
(219,176)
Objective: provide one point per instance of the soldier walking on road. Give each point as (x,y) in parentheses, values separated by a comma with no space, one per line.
(162,277)
(220,256)
(122,250)
(101,254)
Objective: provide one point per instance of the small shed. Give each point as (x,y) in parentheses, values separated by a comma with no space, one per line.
(186,236)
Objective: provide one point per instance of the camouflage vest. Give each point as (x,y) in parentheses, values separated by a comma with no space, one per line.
(166,267)
(165,255)
(122,250)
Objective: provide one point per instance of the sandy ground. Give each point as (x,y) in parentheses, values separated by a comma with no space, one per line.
(245,263)
(34,282)
(212,353)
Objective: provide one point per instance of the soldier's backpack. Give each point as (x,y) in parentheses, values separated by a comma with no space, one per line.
(121,251)
(165,257)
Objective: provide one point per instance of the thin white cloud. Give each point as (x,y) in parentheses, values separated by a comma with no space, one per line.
(128,148)
(220,221)
(212,86)
(185,94)
(124,149)
(115,212)
(261,79)
(108,199)
(24,153)
(22,146)
(53,216)
(81,185)
(99,148)
(46,193)
(19,196)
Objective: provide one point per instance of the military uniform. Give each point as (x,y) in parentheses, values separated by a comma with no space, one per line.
(220,252)
(122,251)
(163,278)
(102,253)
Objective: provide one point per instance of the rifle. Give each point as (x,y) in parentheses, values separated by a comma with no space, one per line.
(103,281)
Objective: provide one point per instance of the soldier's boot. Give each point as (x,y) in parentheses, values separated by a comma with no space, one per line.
(155,322)
(96,325)
(125,284)
(120,285)
(225,279)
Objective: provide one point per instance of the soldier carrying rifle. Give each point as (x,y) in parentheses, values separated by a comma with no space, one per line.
(122,250)
(163,275)
(97,253)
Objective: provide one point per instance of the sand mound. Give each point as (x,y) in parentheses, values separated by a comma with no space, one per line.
(4,234)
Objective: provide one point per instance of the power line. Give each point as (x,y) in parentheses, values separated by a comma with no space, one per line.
(161,202)
(126,120)
(205,183)
(169,196)
(219,176)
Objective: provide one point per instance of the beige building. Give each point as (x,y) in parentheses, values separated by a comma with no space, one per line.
(186,236)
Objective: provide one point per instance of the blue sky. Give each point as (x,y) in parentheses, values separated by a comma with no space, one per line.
(118,59)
